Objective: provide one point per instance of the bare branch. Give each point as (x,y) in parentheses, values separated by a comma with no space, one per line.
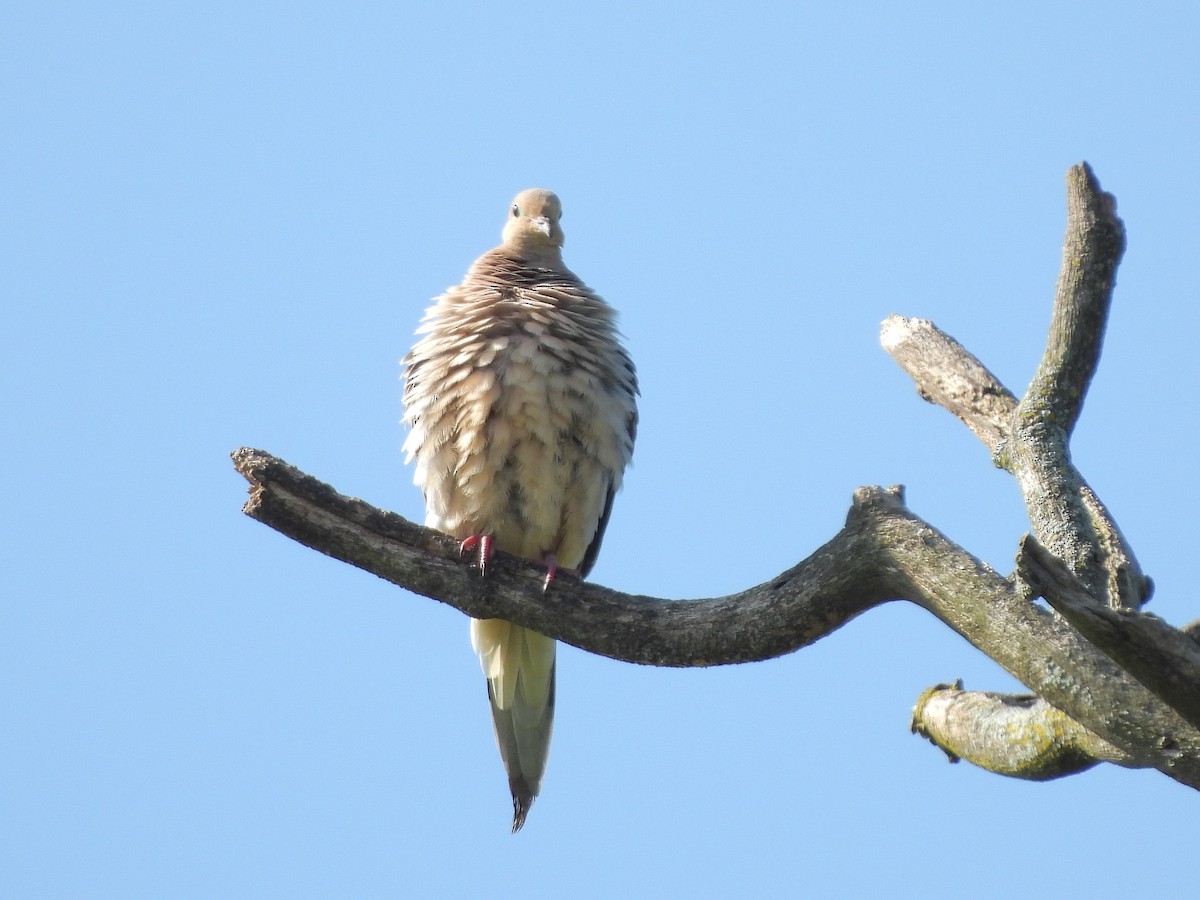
(792,610)
(1066,515)
(946,374)
(1164,659)
(1029,439)
(884,552)
(1020,736)
(1092,249)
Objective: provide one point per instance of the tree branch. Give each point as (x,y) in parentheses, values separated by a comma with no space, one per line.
(884,552)
(946,374)
(790,611)
(1092,249)
(1021,735)
(1163,658)
(1029,438)
(1067,516)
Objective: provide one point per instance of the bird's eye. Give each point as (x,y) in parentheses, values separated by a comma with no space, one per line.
(516,211)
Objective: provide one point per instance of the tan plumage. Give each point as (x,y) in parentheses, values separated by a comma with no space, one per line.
(521,404)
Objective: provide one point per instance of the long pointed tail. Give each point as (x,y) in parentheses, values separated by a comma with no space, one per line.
(519,665)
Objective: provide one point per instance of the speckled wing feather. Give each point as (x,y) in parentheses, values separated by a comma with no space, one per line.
(521,404)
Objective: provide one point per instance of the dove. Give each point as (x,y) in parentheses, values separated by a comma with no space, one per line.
(521,406)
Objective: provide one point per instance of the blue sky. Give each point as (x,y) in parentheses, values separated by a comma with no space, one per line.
(220,225)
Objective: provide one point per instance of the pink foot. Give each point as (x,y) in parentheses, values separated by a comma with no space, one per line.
(484,542)
(552,569)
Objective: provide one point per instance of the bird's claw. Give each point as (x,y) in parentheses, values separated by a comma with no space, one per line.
(552,569)
(486,550)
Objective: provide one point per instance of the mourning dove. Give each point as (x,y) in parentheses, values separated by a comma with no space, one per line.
(522,410)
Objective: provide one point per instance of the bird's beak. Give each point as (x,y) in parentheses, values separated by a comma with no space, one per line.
(542,224)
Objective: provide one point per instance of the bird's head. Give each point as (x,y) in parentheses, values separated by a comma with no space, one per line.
(533,223)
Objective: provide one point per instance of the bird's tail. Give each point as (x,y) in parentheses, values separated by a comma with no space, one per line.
(519,666)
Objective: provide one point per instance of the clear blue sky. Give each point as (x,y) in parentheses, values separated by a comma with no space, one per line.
(220,225)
